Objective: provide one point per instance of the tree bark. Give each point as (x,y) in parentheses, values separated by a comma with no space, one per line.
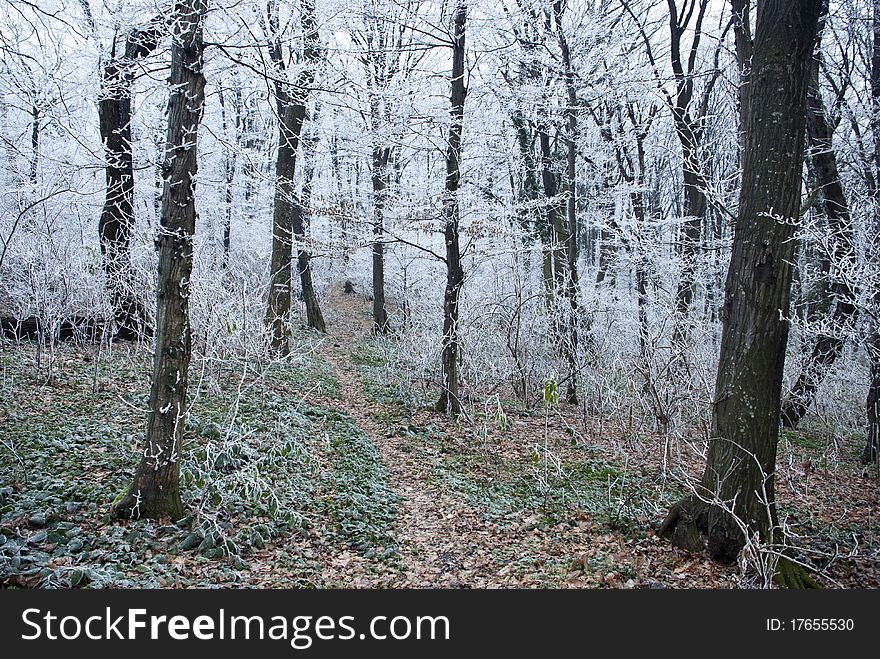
(554,245)
(314,318)
(694,211)
(229,165)
(287,214)
(155,490)
(379,178)
(738,483)
(871,453)
(571,227)
(117,217)
(450,401)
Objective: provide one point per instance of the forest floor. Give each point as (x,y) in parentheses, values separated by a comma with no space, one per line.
(327,470)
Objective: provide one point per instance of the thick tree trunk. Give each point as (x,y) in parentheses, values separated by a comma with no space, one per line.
(450,401)
(117,217)
(529,192)
(155,490)
(828,346)
(738,484)
(556,260)
(641,281)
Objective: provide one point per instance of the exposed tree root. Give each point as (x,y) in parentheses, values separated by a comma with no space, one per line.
(687,527)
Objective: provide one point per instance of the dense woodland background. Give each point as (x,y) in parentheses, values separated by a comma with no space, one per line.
(448,294)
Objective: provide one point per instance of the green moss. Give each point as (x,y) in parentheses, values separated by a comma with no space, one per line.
(793,576)
(368,353)
(802,439)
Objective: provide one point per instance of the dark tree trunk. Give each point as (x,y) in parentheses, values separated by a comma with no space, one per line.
(278,312)
(229,166)
(314,317)
(450,400)
(828,346)
(287,214)
(872,445)
(694,211)
(155,490)
(571,228)
(117,217)
(872,403)
(379,179)
(35,143)
(554,234)
(383,42)
(641,263)
(738,482)
(529,192)
(641,260)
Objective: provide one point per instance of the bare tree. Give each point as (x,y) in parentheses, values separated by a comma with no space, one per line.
(872,404)
(689,105)
(233,122)
(155,490)
(745,421)
(287,222)
(117,217)
(382,40)
(450,400)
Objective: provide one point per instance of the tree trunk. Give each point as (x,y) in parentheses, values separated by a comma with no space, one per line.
(314,318)
(872,403)
(450,400)
(872,445)
(641,263)
(229,166)
(738,484)
(694,211)
(35,143)
(117,216)
(278,312)
(641,259)
(555,234)
(828,346)
(571,233)
(291,100)
(155,490)
(379,179)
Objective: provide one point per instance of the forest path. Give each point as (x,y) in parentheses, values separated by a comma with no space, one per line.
(435,530)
